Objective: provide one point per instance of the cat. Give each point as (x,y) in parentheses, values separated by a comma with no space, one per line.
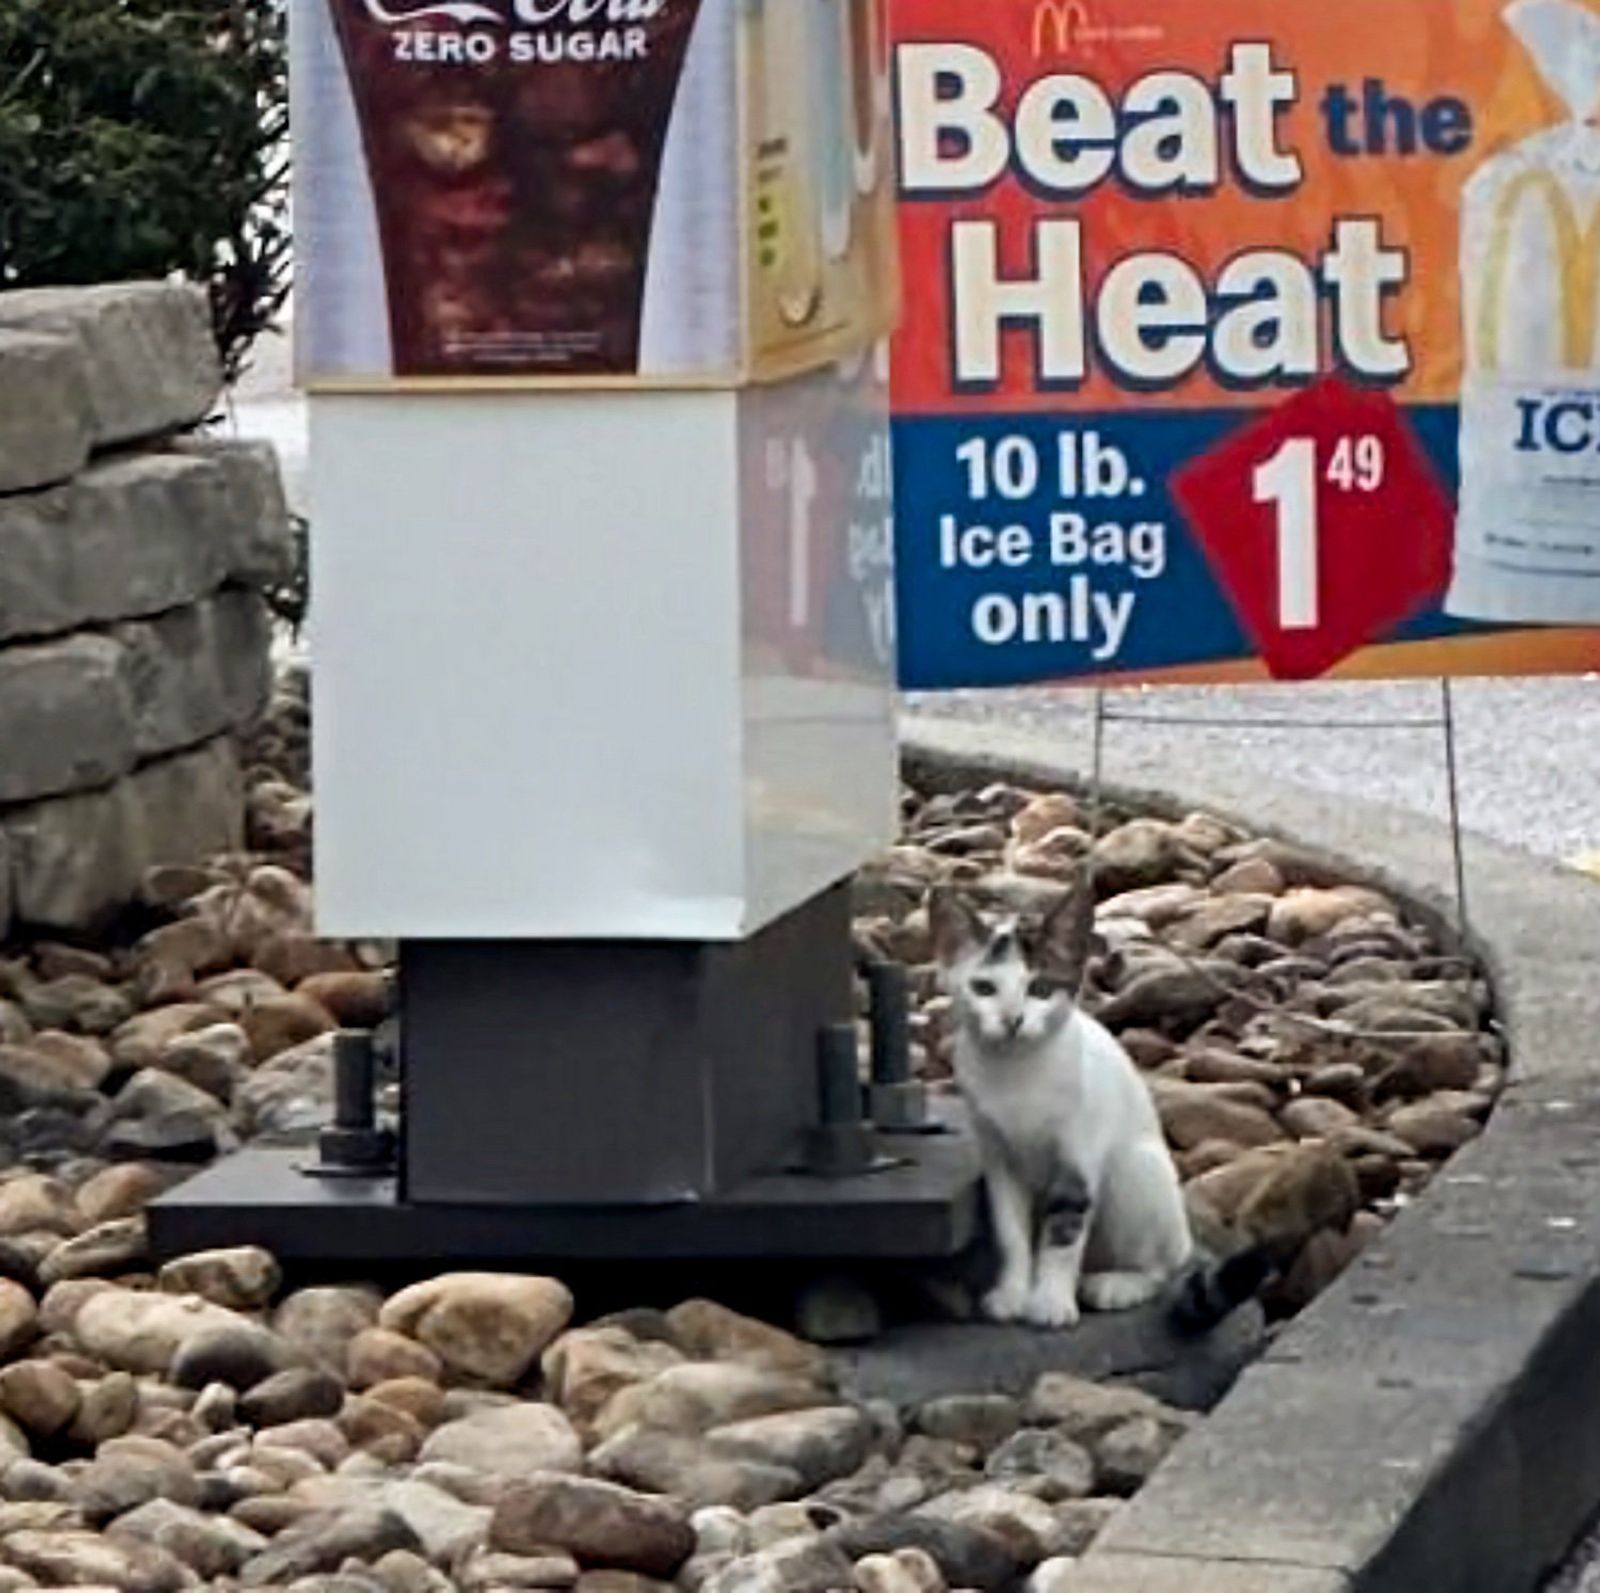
(1085,1203)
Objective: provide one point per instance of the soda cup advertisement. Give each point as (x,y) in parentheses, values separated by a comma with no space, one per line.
(548,192)
(1248,340)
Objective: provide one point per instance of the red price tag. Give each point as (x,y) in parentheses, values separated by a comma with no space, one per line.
(1324,523)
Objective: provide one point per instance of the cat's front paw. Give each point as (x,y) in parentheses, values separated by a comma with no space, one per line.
(1007,1301)
(1052,1306)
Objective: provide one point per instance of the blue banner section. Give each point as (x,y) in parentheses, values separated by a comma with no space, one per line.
(1032,547)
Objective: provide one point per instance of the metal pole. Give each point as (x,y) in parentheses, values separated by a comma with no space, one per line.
(1453,783)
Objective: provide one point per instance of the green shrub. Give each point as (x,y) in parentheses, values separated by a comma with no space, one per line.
(144,137)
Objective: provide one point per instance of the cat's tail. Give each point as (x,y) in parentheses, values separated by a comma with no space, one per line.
(1216,1289)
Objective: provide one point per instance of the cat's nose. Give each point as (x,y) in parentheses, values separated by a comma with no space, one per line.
(1014,1026)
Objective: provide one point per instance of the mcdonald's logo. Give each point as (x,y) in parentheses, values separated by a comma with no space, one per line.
(1577,271)
(1062,20)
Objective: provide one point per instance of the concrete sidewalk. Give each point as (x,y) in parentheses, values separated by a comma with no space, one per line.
(1528,750)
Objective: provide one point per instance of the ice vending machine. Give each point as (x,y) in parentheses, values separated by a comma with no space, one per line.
(592,304)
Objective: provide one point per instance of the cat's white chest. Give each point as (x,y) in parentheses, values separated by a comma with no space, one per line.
(1028,1113)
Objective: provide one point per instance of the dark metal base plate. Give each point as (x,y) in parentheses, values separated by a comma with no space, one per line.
(923,1206)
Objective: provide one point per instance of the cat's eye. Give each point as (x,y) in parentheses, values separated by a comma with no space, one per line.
(1042,989)
(983,988)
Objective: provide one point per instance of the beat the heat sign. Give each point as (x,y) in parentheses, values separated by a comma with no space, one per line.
(1247,339)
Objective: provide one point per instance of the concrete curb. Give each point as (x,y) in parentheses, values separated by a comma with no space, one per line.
(1432,1422)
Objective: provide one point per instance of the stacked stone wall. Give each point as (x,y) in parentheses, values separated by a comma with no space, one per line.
(135,547)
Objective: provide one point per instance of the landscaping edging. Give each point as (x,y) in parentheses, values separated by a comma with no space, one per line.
(1433,1420)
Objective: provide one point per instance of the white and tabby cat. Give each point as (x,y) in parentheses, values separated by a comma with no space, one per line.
(1085,1201)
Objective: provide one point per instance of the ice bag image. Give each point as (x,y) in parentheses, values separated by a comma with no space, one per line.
(1528,530)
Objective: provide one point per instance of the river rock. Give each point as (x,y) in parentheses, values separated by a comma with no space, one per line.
(375,1355)
(673,1463)
(488,1325)
(235,992)
(122,1190)
(241,1354)
(19,1317)
(982,1420)
(1126,1456)
(907,1571)
(1175,998)
(707,1331)
(703,1394)
(31,1078)
(315,1436)
(78,1003)
(139,1332)
(323,1541)
(356,998)
(819,1444)
(87,1560)
(39,1396)
(1080,1521)
(1052,810)
(140,1042)
(107,1408)
(401,1571)
(381,1430)
(1317,1117)
(419,1397)
(1024,1524)
(189,1137)
(213,1059)
(83,1061)
(585,1367)
(1084,1411)
(281,1023)
(292,1094)
(797,1566)
(508,1441)
(1194,1113)
(490,1571)
(212,1546)
(598,1522)
(1138,853)
(1321,1260)
(446,1528)
(1433,1129)
(1308,912)
(1045,1462)
(319,1323)
(242,1278)
(34,1203)
(127,1472)
(293,1395)
(968,1556)
(120,1245)
(14,1444)
(1432,1062)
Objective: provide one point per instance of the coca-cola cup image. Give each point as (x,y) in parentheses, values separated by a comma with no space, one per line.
(514,150)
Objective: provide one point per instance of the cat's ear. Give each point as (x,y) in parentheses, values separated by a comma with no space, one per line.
(958,931)
(1067,937)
